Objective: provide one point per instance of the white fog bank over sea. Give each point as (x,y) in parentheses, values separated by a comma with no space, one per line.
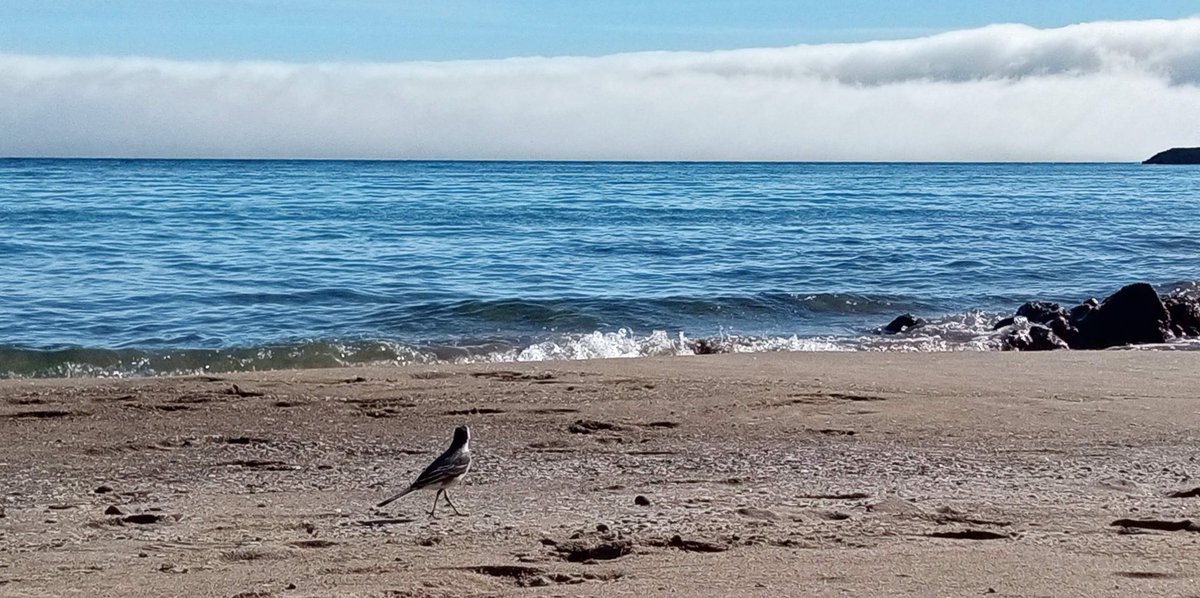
(1104,91)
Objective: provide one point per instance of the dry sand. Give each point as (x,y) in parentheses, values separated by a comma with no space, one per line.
(769,474)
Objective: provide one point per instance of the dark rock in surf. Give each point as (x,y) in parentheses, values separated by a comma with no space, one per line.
(1081,311)
(1134,315)
(1050,315)
(1035,338)
(1045,339)
(1175,156)
(901,324)
(1044,317)
(1041,312)
(1184,310)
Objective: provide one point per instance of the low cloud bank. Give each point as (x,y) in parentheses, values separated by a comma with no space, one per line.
(1095,91)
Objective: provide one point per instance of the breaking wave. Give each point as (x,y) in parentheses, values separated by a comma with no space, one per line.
(969,331)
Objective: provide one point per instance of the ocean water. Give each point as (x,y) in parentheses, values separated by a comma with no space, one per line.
(127,267)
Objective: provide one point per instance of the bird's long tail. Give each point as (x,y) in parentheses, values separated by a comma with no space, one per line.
(402,493)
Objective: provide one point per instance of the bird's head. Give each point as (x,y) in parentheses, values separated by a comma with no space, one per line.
(462,435)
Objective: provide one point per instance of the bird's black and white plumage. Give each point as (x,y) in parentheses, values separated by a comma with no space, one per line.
(445,471)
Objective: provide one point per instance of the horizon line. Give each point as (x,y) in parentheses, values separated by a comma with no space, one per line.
(552,160)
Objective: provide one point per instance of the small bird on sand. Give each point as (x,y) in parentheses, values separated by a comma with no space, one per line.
(445,471)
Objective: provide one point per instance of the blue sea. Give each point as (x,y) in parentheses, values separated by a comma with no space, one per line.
(142,267)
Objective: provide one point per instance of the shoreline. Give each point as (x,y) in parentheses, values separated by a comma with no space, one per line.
(81,363)
(766,473)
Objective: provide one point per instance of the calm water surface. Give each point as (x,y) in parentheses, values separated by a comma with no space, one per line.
(143,266)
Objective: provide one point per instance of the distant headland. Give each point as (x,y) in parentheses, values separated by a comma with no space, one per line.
(1176,155)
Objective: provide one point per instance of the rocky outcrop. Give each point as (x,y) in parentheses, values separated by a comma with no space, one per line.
(1184,310)
(1176,155)
(1134,315)
(1050,315)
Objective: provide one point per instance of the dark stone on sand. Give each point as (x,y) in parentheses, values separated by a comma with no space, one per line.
(2,513)
(600,527)
(1193,493)
(1176,156)
(105,489)
(113,510)
(903,323)
(641,501)
(1134,315)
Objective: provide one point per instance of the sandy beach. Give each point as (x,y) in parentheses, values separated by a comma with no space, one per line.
(793,474)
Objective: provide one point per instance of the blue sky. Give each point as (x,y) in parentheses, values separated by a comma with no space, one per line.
(398,30)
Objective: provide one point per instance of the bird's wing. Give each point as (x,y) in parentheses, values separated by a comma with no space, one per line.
(449,465)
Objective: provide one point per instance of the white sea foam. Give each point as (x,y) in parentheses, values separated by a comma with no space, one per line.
(968,331)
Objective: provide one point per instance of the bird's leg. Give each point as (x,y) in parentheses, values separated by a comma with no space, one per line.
(433,511)
(447,496)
